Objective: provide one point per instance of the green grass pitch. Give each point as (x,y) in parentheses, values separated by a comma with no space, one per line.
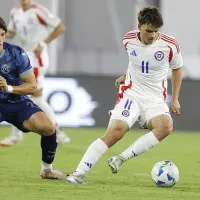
(20,166)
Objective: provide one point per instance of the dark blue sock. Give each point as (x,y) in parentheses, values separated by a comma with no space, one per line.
(48,145)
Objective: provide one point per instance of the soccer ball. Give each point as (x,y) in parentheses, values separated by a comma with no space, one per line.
(165,174)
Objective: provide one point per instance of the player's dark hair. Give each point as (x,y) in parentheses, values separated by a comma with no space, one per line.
(150,15)
(3,24)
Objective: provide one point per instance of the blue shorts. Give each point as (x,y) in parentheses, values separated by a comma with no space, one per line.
(17,113)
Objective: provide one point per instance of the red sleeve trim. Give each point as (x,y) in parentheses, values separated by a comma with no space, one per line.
(171,40)
(170,53)
(41,20)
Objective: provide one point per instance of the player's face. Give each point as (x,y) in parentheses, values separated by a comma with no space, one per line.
(2,38)
(148,33)
(25,3)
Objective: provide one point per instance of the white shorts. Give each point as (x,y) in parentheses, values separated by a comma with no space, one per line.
(129,110)
(40,66)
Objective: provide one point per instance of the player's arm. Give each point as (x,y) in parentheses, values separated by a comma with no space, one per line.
(29,85)
(176,82)
(176,64)
(25,72)
(27,88)
(10,34)
(121,80)
(56,32)
(126,39)
(176,85)
(50,21)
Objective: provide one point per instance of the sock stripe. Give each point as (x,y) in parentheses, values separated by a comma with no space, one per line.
(88,164)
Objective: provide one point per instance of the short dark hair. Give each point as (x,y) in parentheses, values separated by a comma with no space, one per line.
(150,15)
(3,24)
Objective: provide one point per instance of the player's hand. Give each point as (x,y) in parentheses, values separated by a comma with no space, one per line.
(3,84)
(175,107)
(120,80)
(38,50)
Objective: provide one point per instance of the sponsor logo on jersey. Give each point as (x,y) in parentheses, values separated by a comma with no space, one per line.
(5,68)
(133,53)
(125,113)
(159,55)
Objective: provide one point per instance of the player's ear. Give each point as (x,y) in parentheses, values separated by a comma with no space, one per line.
(139,27)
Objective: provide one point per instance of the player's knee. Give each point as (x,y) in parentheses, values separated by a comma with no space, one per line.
(49,129)
(113,135)
(46,129)
(118,133)
(167,128)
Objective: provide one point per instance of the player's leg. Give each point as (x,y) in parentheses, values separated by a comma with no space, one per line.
(39,100)
(41,124)
(160,123)
(15,136)
(32,118)
(123,117)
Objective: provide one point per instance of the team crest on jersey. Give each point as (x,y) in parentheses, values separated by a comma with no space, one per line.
(159,55)
(5,68)
(125,113)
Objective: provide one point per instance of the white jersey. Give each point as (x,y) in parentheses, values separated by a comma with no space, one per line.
(148,66)
(32,27)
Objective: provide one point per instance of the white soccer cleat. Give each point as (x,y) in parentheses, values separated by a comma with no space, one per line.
(52,174)
(62,138)
(11,140)
(75,179)
(115,163)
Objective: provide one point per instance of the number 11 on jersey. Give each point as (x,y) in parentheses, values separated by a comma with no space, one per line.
(145,67)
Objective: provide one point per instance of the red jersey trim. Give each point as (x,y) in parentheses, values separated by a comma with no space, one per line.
(40,61)
(36,73)
(164,90)
(171,40)
(129,36)
(123,89)
(170,53)
(41,20)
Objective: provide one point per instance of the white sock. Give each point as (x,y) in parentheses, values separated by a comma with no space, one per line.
(94,152)
(15,131)
(46,166)
(141,145)
(42,103)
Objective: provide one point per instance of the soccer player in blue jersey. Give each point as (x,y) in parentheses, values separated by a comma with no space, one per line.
(16,81)
(36,27)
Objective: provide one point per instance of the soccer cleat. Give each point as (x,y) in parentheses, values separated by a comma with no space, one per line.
(11,140)
(52,174)
(62,138)
(115,163)
(76,179)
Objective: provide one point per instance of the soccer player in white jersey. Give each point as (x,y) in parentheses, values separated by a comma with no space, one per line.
(31,22)
(151,54)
